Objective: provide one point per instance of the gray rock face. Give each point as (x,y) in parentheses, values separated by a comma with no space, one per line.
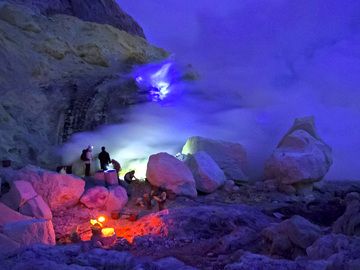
(231,157)
(301,156)
(99,11)
(60,75)
(207,174)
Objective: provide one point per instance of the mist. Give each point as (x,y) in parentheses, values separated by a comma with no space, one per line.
(261,64)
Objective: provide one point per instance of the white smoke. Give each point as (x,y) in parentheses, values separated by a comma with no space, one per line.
(262,63)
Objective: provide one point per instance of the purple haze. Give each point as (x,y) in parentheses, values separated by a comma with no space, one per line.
(262,63)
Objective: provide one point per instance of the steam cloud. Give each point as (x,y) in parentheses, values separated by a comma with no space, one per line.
(262,63)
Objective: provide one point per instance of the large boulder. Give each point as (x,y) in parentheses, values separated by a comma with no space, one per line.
(117,199)
(32,231)
(36,207)
(231,157)
(8,246)
(100,11)
(59,191)
(95,197)
(207,174)
(349,222)
(301,157)
(165,170)
(291,237)
(20,192)
(25,230)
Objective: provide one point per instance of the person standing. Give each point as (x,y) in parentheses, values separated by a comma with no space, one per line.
(88,159)
(104,158)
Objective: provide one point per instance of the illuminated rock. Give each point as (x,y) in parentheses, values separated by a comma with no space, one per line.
(231,157)
(207,174)
(25,230)
(301,156)
(59,191)
(36,207)
(164,170)
(95,197)
(117,199)
(20,192)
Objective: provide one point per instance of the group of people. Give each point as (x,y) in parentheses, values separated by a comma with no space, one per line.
(105,161)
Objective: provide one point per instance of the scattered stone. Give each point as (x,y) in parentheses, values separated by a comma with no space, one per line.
(172,263)
(231,157)
(95,197)
(166,171)
(207,174)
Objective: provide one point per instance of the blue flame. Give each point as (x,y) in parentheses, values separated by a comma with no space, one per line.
(157,80)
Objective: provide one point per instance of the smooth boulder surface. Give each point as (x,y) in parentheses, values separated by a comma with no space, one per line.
(207,174)
(117,199)
(20,192)
(231,157)
(59,191)
(301,156)
(166,171)
(95,197)
(36,207)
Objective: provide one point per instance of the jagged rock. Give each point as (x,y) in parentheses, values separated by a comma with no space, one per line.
(68,68)
(164,170)
(36,207)
(291,237)
(231,157)
(95,197)
(25,230)
(349,222)
(20,192)
(328,245)
(340,251)
(207,174)
(100,11)
(261,262)
(301,156)
(117,199)
(32,231)
(59,191)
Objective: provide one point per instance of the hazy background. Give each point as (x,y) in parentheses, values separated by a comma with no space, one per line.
(261,63)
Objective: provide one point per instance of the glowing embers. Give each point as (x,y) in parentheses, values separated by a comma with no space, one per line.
(98,229)
(157,80)
(152,224)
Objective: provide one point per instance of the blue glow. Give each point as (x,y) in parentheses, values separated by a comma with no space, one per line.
(159,80)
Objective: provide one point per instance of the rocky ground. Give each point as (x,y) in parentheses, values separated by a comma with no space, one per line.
(240,226)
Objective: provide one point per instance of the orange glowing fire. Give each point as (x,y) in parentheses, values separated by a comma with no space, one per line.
(108,232)
(99,221)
